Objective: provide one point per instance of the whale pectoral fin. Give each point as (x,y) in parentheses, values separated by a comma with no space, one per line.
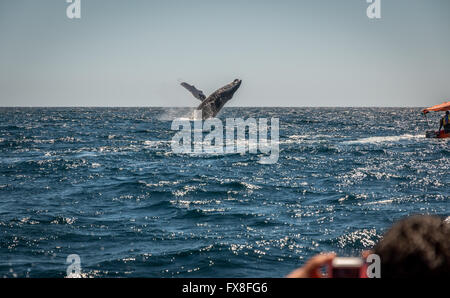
(197,93)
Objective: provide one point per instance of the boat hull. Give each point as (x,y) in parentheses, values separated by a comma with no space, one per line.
(437,134)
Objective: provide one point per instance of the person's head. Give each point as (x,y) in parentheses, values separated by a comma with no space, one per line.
(446,113)
(417,246)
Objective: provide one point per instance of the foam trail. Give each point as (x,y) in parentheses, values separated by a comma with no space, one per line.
(387,139)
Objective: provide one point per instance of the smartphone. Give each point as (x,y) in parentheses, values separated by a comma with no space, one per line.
(346,268)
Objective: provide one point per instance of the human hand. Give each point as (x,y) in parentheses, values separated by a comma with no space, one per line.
(312,268)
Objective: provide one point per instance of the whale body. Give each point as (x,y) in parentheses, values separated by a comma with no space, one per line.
(212,105)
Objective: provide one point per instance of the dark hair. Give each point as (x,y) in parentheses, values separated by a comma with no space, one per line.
(417,246)
(446,113)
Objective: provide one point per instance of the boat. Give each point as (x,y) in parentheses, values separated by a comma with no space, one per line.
(431,134)
(437,108)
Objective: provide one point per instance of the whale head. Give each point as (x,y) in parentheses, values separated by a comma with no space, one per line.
(228,91)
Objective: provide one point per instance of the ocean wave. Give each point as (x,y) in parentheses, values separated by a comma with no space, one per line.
(108,187)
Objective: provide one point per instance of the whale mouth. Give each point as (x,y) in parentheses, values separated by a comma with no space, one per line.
(234,87)
(236,84)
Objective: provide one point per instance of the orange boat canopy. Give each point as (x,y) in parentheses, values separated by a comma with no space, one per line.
(438,108)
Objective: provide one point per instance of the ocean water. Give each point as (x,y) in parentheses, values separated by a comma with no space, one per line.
(103,183)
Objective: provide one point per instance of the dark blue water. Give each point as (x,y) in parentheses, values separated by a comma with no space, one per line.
(103,183)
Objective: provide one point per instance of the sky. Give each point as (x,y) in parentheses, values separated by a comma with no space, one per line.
(287,52)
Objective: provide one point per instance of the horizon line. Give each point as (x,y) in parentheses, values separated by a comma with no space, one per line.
(232,107)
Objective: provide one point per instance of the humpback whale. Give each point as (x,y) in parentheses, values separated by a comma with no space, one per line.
(212,105)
